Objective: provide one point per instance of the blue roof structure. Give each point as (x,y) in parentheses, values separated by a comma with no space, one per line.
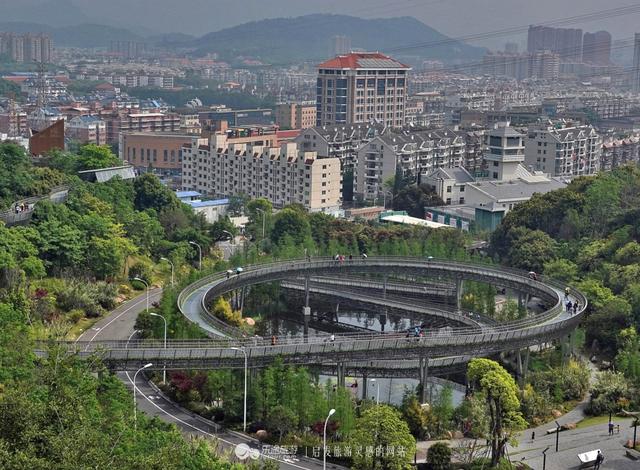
(182,194)
(215,202)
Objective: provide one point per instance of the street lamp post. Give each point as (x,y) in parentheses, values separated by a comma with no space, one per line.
(199,254)
(135,410)
(377,384)
(147,286)
(557,434)
(172,267)
(324,439)
(635,431)
(164,367)
(246,362)
(544,459)
(264,215)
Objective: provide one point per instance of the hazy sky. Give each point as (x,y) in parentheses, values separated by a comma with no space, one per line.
(453,17)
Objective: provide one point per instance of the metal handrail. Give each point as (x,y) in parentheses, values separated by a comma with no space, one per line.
(326,262)
(524,327)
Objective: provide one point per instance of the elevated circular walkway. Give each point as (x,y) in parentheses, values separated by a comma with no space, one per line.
(373,350)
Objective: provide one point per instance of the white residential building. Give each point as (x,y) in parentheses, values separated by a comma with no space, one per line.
(415,153)
(562,149)
(284,174)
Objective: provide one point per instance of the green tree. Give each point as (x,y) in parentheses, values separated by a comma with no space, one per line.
(144,229)
(609,394)
(562,270)
(439,456)
(414,415)
(347,185)
(93,156)
(221,229)
(532,250)
(414,199)
(290,223)
(382,427)
(604,323)
(501,394)
(150,193)
(282,420)
(237,204)
(259,213)
(442,409)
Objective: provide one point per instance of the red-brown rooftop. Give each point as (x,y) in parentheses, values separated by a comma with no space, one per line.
(362,60)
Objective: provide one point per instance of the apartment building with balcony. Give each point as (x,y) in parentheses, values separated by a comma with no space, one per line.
(361,87)
(340,142)
(620,150)
(123,122)
(284,174)
(415,153)
(563,149)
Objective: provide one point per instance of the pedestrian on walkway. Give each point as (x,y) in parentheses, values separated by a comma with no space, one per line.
(599,460)
(569,307)
(617,429)
(576,305)
(611,429)
(533,436)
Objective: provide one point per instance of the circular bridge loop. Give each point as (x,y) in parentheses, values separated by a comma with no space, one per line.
(553,323)
(223,349)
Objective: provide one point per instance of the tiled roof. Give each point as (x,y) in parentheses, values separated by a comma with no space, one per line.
(362,60)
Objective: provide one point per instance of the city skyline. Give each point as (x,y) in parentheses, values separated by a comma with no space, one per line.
(198,17)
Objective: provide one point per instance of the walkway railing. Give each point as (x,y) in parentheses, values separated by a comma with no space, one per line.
(57,194)
(218,284)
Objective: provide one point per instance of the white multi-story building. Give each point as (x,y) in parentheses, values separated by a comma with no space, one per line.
(563,149)
(361,87)
(284,174)
(414,153)
(340,142)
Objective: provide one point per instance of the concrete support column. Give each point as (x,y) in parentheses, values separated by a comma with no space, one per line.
(424,376)
(565,347)
(383,320)
(384,286)
(341,373)
(337,311)
(520,300)
(522,366)
(306,291)
(365,385)
(459,289)
(306,313)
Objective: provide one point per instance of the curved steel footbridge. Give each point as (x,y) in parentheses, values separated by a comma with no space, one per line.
(367,352)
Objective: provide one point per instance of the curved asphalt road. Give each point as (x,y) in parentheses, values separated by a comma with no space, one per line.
(118,325)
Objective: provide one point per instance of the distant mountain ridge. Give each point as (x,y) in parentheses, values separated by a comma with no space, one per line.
(82,35)
(279,40)
(308,38)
